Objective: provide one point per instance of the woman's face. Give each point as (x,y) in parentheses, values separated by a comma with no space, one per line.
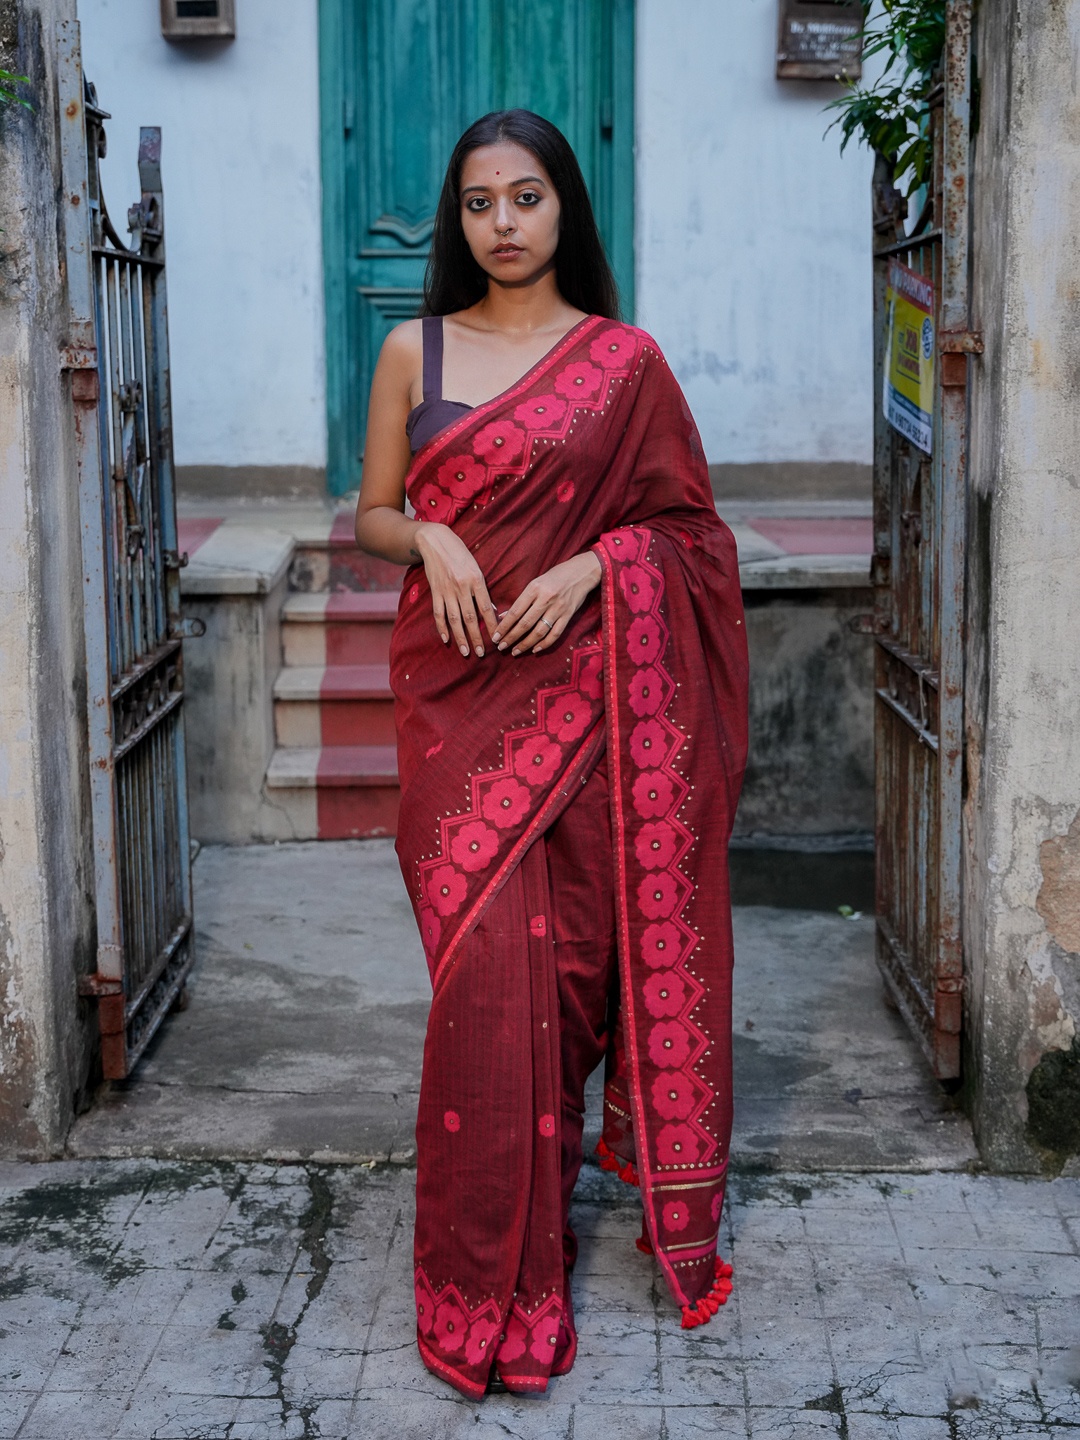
(509,212)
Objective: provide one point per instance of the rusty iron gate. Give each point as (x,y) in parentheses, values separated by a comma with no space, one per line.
(118,357)
(918,577)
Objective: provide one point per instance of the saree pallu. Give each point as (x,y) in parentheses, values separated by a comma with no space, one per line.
(611,762)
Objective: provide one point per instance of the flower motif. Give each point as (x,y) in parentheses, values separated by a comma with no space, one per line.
(677,1145)
(543,412)
(425,1306)
(653,794)
(660,945)
(644,640)
(591,677)
(637,588)
(478,1341)
(564,492)
(430,929)
(537,761)
(669,1045)
(547,1125)
(433,504)
(622,544)
(579,381)
(451,1326)
(544,1337)
(648,742)
(657,896)
(446,889)
(499,443)
(665,994)
(568,717)
(646,691)
(673,1096)
(506,803)
(517,1337)
(655,844)
(676,1215)
(452,1121)
(613,349)
(474,845)
(462,476)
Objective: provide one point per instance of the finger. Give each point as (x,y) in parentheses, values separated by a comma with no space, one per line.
(453,614)
(512,617)
(439,608)
(552,636)
(472,624)
(527,631)
(488,613)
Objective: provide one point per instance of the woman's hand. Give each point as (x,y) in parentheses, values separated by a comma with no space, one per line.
(542,611)
(459,594)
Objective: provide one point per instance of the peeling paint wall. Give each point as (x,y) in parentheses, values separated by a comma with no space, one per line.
(46,922)
(1022,880)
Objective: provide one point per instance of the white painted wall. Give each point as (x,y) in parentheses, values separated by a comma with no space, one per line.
(240,160)
(753,238)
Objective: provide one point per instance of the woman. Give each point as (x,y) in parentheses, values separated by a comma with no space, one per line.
(569,668)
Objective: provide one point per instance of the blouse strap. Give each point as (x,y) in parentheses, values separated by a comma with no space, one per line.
(433,353)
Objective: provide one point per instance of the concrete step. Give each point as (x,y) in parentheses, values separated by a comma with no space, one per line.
(319,705)
(341,792)
(332,562)
(338,628)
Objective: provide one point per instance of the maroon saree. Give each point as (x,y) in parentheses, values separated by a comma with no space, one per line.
(556,809)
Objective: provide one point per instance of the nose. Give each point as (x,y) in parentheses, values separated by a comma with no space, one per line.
(504,217)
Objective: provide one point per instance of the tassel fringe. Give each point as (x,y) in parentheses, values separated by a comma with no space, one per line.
(610,1161)
(707,1306)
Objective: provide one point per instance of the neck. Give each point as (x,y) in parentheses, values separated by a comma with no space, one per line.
(532,305)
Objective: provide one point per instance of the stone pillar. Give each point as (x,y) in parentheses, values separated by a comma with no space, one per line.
(1022,873)
(46,880)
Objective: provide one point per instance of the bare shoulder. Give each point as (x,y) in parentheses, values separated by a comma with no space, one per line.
(404,345)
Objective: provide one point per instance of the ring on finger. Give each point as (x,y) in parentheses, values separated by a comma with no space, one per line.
(547,623)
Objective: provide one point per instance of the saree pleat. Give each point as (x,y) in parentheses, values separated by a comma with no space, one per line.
(559,810)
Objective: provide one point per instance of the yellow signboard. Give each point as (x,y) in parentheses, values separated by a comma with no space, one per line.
(908,398)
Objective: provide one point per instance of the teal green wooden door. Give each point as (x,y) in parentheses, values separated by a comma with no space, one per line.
(400,81)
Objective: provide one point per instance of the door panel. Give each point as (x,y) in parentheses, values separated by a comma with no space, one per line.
(401,79)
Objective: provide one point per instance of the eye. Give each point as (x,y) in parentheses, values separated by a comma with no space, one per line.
(476,203)
(528,197)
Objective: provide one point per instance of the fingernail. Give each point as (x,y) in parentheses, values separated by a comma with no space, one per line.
(515,652)
(480,650)
(464,649)
(503,647)
(495,638)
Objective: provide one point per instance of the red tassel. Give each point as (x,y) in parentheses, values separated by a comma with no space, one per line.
(610,1161)
(703,1311)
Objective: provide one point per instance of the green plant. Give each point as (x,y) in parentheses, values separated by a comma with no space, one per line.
(8,94)
(892,114)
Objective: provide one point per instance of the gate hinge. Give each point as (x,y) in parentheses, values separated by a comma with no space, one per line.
(78,357)
(97,986)
(174,560)
(960,342)
(188,629)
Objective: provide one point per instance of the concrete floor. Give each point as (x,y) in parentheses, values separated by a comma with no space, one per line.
(304,1032)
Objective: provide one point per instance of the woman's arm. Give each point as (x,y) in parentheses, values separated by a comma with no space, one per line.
(458,593)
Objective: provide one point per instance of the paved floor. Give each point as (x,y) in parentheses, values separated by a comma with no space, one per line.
(160,1300)
(304,1032)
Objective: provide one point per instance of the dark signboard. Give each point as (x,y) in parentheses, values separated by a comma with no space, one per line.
(820,40)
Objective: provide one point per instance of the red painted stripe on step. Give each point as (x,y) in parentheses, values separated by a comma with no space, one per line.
(193,531)
(362,605)
(839,535)
(354,814)
(343,530)
(348,765)
(356,682)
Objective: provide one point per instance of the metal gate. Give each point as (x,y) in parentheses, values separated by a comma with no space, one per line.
(118,357)
(918,576)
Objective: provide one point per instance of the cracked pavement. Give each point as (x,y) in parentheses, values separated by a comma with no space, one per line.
(156,1300)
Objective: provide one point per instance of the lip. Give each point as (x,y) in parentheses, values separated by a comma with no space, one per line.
(507,250)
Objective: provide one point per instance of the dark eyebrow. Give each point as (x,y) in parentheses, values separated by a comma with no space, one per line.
(525,180)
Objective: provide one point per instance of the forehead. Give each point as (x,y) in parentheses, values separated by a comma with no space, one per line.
(497,165)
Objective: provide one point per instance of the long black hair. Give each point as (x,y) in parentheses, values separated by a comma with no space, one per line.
(454,280)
